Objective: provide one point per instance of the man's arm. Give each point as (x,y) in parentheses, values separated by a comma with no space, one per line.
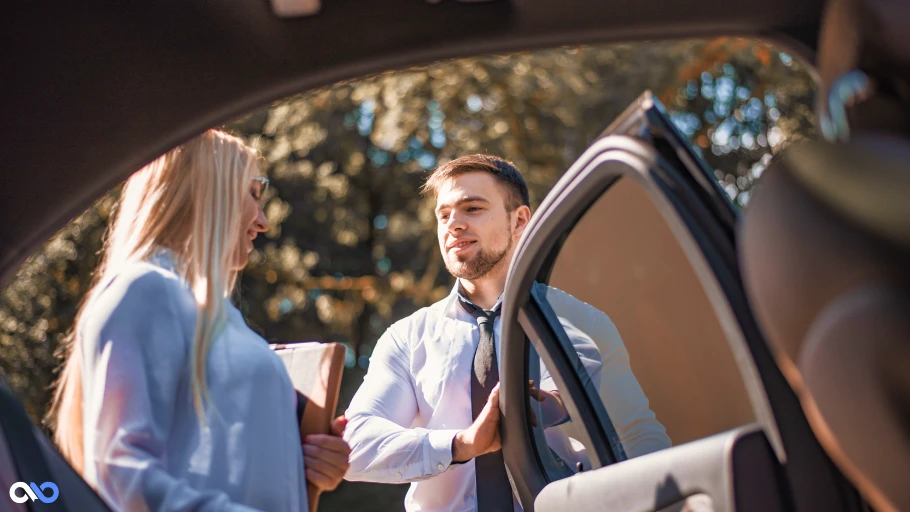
(642,434)
(606,363)
(625,401)
(383,447)
(552,408)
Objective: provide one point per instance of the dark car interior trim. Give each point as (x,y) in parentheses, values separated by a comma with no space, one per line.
(36,459)
(94,90)
(26,454)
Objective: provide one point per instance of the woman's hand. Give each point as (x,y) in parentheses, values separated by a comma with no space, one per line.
(326,457)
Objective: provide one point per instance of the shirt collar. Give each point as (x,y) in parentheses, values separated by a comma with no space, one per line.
(164,258)
(457,295)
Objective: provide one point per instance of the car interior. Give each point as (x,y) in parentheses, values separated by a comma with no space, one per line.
(810,286)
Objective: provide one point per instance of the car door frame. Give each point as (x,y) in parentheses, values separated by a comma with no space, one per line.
(34,459)
(703,220)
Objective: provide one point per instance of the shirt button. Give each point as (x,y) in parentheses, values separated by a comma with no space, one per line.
(440,466)
(398,475)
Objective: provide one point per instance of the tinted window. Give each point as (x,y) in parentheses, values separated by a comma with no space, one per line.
(645,331)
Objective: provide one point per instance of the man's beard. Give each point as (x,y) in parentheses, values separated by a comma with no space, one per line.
(480,265)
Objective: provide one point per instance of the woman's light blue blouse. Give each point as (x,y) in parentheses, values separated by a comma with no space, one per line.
(144,446)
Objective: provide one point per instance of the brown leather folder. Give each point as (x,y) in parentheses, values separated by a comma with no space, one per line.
(315,369)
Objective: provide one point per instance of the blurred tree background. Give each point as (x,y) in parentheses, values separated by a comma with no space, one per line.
(352,245)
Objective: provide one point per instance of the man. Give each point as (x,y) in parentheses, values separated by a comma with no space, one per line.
(428,409)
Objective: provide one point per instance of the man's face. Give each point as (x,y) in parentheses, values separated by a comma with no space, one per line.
(474,228)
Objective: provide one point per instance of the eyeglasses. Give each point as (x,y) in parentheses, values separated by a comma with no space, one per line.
(263,188)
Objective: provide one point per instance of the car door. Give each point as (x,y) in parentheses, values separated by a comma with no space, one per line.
(33,474)
(681,405)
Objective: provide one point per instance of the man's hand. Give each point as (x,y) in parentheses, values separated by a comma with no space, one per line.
(551,406)
(483,435)
(326,457)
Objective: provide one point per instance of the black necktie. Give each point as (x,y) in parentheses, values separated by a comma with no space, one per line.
(494,492)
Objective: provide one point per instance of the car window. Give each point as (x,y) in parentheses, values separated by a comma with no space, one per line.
(352,244)
(645,331)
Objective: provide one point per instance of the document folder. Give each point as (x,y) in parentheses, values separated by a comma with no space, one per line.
(315,369)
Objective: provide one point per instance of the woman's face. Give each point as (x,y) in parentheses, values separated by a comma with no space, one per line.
(252,222)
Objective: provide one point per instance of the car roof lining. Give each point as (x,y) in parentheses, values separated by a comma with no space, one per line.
(98,89)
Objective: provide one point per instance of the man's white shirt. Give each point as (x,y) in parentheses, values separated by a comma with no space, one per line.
(417,395)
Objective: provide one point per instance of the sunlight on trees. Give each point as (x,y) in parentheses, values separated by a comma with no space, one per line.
(352,244)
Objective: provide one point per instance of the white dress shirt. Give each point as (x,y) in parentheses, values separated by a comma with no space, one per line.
(144,446)
(417,395)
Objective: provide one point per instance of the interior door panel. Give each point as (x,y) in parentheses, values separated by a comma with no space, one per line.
(737,470)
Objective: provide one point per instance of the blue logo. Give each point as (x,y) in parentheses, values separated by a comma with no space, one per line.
(33,491)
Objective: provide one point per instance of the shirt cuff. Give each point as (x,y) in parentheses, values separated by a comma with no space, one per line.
(455,462)
(440,456)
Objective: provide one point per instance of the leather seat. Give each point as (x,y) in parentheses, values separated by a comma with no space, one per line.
(832,293)
(825,253)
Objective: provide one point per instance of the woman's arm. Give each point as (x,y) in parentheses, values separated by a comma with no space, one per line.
(136,353)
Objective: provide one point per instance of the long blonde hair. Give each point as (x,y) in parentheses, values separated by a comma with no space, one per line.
(189,201)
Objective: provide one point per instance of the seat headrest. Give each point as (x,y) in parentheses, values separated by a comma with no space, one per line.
(825,255)
(869,36)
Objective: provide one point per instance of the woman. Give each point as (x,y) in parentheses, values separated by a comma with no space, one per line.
(167,400)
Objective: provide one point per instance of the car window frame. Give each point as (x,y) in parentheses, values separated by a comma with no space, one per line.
(539,321)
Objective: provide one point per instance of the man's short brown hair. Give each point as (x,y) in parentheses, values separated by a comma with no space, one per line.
(502,170)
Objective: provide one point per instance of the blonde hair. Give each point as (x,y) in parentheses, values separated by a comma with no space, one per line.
(189,201)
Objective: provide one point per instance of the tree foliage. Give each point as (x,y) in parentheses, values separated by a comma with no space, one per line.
(352,244)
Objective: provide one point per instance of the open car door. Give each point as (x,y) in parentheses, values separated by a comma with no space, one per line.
(32,471)
(634,251)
